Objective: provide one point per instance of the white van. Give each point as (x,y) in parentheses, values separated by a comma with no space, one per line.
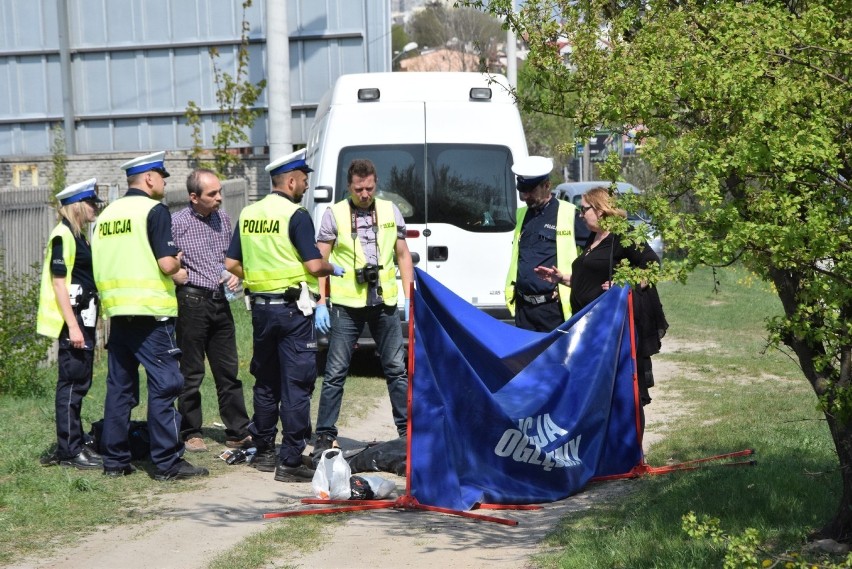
(443,145)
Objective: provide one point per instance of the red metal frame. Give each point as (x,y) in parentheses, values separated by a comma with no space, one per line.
(409,502)
(406,501)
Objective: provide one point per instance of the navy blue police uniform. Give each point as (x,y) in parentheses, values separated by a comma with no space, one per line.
(150,341)
(284,354)
(140,300)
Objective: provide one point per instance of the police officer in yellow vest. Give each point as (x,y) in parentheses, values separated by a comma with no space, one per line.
(274,250)
(68,310)
(544,236)
(134,258)
(365,235)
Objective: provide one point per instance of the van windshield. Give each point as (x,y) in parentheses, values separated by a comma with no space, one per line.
(469,186)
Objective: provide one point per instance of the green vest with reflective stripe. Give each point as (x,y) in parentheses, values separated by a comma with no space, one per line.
(348,253)
(566,252)
(49,320)
(129,280)
(270,261)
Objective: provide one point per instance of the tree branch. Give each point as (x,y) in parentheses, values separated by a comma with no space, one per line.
(809,66)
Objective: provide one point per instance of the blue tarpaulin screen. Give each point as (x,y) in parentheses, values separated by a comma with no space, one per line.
(502,415)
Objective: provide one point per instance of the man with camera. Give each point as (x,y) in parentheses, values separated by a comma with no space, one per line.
(362,234)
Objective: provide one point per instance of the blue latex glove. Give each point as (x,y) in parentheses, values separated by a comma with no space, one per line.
(322,321)
(338,271)
(407,306)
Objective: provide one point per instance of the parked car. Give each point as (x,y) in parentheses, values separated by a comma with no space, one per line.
(573,192)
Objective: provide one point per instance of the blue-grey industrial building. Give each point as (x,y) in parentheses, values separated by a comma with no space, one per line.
(118,74)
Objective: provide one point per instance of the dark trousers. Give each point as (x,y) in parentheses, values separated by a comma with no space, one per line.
(135,340)
(205,327)
(346,326)
(538,317)
(285,369)
(72,385)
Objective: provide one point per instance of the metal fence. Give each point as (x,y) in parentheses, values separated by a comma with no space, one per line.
(26,218)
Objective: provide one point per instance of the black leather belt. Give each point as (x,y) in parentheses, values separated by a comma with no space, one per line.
(203,292)
(289,295)
(538,298)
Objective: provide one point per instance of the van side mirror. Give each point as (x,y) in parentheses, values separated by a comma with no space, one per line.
(322,194)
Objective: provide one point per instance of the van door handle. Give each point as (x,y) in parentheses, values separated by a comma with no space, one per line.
(438,253)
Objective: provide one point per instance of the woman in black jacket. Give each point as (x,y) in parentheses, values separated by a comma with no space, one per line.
(591,276)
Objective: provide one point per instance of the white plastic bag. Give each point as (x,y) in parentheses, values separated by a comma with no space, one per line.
(331,479)
(381,487)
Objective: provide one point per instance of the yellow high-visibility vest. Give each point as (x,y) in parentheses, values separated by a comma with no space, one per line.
(270,261)
(49,320)
(128,277)
(566,252)
(349,253)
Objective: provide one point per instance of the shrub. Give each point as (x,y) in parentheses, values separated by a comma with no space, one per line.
(21,349)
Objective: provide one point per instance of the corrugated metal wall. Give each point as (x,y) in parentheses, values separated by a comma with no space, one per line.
(135,64)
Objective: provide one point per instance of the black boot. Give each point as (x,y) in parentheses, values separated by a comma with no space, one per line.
(264,459)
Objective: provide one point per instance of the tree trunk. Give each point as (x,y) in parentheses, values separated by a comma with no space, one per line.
(824,386)
(840,528)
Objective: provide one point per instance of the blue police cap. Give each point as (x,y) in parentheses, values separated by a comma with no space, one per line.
(79,192)
(293,161)
(146,163)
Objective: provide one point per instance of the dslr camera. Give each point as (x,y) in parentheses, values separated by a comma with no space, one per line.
(367,274)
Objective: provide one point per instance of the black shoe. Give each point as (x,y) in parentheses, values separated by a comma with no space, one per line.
(91,453)
(82,461)
(324,442)
(183,470)
(299,473)
(119,472)
(51,459)
(265,460)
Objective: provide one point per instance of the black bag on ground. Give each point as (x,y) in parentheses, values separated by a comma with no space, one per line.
(389,456)
(140,441)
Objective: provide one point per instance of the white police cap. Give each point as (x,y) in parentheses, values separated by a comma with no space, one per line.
(78,192)
(293,161)
(146,163)
(531,171)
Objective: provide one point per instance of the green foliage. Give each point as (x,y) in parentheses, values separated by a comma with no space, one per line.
(743,550)
(60,160)
(236,97)
(459,29)
(744,111)
(547,134)
(398,38)
(21,347)
(429,27)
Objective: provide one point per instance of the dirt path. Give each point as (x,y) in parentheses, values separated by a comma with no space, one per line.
(200,524)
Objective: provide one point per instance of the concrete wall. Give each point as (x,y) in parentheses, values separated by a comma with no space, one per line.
(38,170)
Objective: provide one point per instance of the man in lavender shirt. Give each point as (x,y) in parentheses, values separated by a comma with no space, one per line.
(205,325)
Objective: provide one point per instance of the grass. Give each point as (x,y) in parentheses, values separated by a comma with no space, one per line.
(42,509)
(739,396)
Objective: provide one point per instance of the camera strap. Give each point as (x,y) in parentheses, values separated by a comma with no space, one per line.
(353,217)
